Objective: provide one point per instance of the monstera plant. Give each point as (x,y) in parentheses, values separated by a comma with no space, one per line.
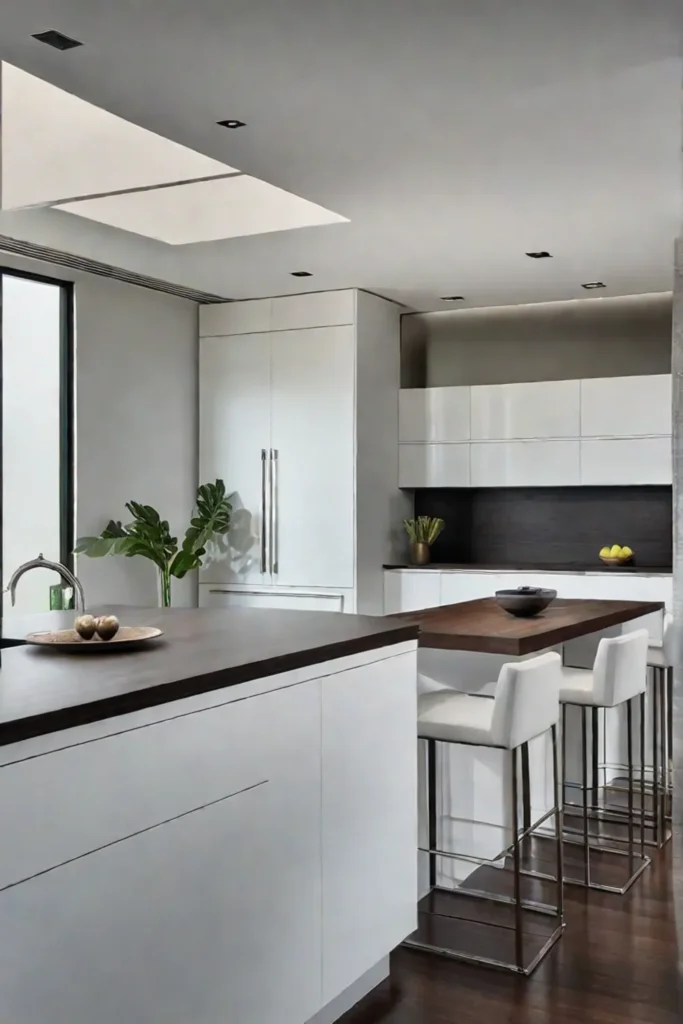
(150,536)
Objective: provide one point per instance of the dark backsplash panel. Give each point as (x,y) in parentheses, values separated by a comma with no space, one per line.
(549,525)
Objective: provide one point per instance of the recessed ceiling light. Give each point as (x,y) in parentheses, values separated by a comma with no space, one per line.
(542,255)
(301,273)
(232,122)
(593,284)
(56,40)
(452,298)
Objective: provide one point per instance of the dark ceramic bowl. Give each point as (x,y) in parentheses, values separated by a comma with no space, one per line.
(525,601)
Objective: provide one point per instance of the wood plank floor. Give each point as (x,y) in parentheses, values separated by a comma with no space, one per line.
(618,963)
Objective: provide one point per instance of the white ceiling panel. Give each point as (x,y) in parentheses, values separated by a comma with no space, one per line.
(205,211)
(56,146)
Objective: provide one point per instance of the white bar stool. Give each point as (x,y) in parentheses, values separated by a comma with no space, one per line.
(618,676)
(525,705)
(660,658)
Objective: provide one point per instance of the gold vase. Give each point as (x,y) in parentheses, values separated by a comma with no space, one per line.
(420,553)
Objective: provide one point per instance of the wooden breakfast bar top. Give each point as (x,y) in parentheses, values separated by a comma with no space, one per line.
(485,627)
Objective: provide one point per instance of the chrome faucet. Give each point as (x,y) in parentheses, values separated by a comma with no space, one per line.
(43,563)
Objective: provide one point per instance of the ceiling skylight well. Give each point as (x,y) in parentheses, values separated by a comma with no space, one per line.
(206,211)
(58,147)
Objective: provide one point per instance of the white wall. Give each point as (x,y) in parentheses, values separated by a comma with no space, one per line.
(136,421)
(30,434)
(548,341)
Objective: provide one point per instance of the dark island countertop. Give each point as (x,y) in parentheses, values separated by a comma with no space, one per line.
(203,649)
(484,626)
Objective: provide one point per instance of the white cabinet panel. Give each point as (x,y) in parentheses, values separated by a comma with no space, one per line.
(138,779)
(313,435)
(467,586)
(316,309)
(433,465)
(235,318)
(369,802)
(434,414)
(645,460)
(535,410)
(626,406)
(525,464)
(234,428)
(406,591)
(214,916)
(221,597)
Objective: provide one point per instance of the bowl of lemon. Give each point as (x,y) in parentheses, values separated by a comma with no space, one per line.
(616,555)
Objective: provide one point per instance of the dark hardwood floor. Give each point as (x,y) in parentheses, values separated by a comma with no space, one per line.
(617,963)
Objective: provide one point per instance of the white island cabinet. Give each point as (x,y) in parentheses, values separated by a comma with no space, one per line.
(246,855)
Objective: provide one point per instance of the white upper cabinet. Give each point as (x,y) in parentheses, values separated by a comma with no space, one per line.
(525,464)
(434,414)
(317,309)
(285,313)
(226,318)
(515,411)
(624,461)
(434,465)
(626,406)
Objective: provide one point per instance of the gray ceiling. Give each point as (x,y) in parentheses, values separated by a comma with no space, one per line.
(455,135)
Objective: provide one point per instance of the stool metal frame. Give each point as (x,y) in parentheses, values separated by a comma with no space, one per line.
(514,850)
(591,811)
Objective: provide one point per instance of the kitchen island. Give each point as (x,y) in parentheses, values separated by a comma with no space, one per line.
(220,827)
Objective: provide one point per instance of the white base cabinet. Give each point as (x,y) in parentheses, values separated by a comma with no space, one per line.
(243,856)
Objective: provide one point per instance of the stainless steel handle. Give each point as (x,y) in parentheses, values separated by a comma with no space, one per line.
(274,525)
(264,521)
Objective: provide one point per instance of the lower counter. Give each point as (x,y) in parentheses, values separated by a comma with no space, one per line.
(243,855)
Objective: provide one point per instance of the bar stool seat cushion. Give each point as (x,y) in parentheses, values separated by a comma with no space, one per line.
(656,657)
(576,686)
(455,718)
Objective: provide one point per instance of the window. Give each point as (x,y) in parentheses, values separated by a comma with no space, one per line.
(37,427)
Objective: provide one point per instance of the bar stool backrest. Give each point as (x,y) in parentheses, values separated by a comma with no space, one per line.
(620,668)
(668,639)
(527,700)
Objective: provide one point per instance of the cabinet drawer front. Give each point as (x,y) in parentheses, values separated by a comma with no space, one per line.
(317,309)
(434,414)
(235,318)
(433,465)
(626,406)
(223,597)
(134,780)
(181,923)
(640,460)
(536,410)
(411,591)
(525,464)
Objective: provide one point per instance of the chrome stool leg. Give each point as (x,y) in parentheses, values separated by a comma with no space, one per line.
(584,835)
(512,851)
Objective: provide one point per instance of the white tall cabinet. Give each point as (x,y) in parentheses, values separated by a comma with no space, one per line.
(299,417)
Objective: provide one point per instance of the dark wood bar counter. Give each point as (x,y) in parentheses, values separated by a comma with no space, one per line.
(484,626)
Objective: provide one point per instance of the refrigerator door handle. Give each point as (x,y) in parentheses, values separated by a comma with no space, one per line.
(264,518)
(274,524)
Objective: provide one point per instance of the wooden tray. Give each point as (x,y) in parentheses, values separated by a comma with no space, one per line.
(69,642)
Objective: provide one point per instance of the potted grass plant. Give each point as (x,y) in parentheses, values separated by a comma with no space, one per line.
(422,532)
